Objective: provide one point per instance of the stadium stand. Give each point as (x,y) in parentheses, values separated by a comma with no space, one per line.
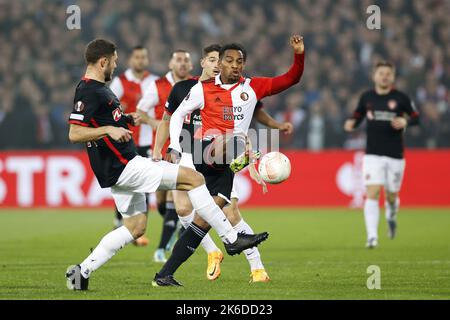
(41,64)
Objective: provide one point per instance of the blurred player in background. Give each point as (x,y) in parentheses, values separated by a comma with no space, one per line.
(192,123)
(385,109)
(227,103)
(150,107)
(129,88)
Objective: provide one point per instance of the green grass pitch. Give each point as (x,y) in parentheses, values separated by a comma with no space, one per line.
(310,254)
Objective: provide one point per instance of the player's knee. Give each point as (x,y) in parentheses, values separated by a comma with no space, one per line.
(183,211)
(138,230)
(373,192)
(374,195)
(196,179)
(391,197)
(137,227)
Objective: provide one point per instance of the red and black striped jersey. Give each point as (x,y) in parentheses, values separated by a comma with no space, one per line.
(95,105)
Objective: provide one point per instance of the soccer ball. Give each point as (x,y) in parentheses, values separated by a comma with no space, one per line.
(274,167)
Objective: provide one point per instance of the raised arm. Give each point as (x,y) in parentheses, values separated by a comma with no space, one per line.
(269,86)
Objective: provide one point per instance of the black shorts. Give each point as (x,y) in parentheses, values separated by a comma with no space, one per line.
(145,151)
(219,178)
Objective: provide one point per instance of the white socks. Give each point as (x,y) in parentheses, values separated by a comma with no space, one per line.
(105,250)
(371,216)
(207,242)
(204,205)
(252,254)
(392,209)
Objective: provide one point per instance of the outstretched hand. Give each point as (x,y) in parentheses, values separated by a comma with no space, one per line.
(297,44)
(254,174)
(287,128)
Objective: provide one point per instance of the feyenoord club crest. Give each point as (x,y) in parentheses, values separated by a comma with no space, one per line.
(392,104)
(79,106)
(117,114)
(244,96)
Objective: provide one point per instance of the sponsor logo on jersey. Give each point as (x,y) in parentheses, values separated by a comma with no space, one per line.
(370,115)
(244,96)
(217,99)
(232,113)
(196,119)
(117,114)
(392,104)
(384,115)
(79,106)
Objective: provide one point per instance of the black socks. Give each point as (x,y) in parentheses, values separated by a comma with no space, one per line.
(169,225)
(183,249)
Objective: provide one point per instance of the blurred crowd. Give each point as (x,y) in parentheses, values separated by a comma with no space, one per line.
(41,60)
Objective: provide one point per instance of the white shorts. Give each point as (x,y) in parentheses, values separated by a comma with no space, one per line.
(140,176)
(234,194)
(385,171)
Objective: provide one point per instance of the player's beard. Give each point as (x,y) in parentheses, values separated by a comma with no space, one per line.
(182,73)
(108,74)
(384,86)
(138,69)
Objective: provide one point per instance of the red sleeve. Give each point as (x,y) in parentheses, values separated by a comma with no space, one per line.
(269,86)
